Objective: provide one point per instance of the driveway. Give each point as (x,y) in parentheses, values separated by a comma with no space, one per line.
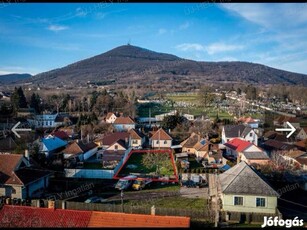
(194,192)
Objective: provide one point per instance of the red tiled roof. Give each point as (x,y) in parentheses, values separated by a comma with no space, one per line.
(134,134)
(60,134)
(113,137)
(112,219)
(124,120)
(8,164)
(24,216)
(302,143)
(79,147)
(238,144)
(161,135)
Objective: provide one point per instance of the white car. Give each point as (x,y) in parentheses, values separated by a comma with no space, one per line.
(95,199)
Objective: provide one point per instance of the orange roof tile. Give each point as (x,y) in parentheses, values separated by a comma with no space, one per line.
(134,134)
(8,164)
(112,219)
(124,120)
(161,135)
(24,216)
(302,143)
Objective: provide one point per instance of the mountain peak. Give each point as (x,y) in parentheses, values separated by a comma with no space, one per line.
(139,52)
(128,64)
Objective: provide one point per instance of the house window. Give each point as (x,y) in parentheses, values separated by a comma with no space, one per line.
(134,141)
(250,134)
(116,147)
(13,191)
(260,202)
(238,200)
(165,142)
(157,142)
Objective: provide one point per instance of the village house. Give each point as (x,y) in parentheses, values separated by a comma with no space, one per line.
(190,117)
(250,122)
(301,145)
(60,134)
(80,151)
(70,132)
(281,121)
(242,189)
(109,139)
(273,145)
(189,143)
(110,118)
(43,121)
(51,145)
(136,138)
(239,131)
(245,151)
(160,117)
(160,139)
(195,144)
(302,134)
(296,158)
(273,135)
(124,124)
(19,178)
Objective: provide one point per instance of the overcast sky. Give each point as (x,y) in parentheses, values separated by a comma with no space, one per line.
(39,37)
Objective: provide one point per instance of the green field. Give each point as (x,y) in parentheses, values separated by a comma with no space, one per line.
(136,159)
(173,202)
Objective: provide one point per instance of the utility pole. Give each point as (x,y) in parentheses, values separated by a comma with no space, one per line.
(149,117)
(122,199)
(216,201)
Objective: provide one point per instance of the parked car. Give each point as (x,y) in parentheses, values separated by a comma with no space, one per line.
(95,199)
(141,183)
(125,183)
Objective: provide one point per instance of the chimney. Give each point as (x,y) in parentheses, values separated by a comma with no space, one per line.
(27,155)
(51,204)
(88,138)
(153,210)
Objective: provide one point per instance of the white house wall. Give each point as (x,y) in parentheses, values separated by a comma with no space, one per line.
(249,204)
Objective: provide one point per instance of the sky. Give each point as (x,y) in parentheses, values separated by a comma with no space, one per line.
(37,37)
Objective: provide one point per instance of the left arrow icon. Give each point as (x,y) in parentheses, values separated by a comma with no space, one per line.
(14,129)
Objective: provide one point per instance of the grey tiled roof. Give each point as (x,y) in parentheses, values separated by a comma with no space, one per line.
(256,155)
(236,130)
(242,179)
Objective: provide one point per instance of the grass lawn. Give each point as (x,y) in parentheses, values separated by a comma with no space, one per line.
(173,202)
(157,187)
(136,159)
(186,97)
(156,109)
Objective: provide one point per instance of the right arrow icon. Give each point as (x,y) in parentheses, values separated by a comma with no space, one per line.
(292,129)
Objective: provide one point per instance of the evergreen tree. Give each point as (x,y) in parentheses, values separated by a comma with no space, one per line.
(15,99)
(35,102)
(22,99)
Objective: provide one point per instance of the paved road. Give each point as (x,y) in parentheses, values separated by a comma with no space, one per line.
(194,192)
